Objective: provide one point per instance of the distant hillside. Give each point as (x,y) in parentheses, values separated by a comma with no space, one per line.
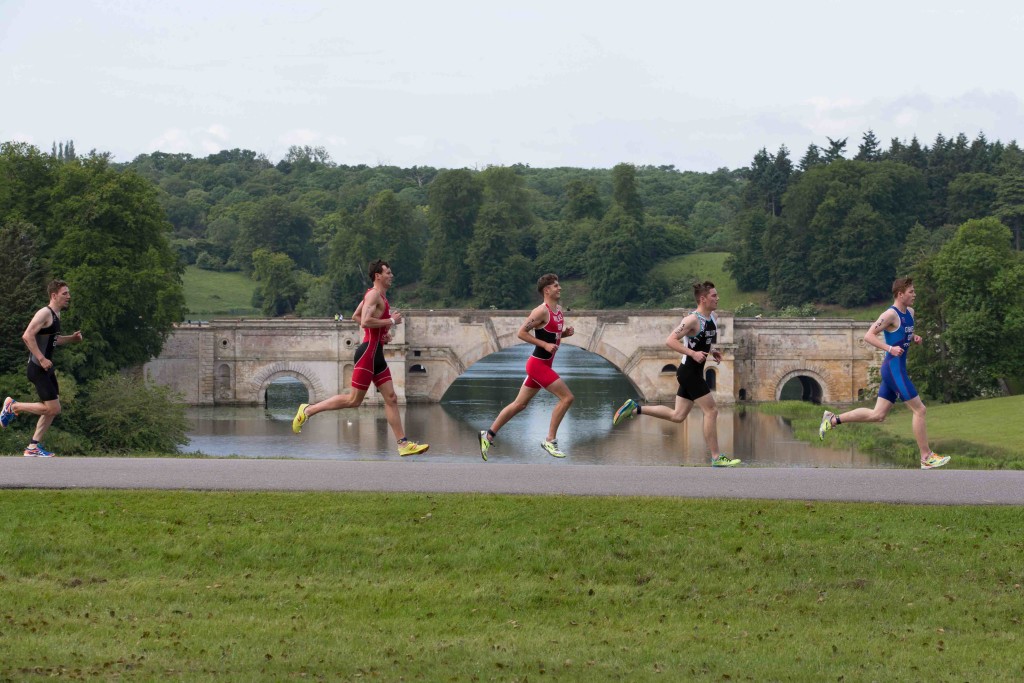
(210,294)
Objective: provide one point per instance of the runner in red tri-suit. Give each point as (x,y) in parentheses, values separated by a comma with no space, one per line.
(375,316)
(548,325)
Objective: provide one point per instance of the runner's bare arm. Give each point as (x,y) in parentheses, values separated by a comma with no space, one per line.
(686,327)
(373,307)
(38,322)
(63,339)
(884,322)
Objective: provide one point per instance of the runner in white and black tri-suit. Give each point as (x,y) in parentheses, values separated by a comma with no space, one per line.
(693,338)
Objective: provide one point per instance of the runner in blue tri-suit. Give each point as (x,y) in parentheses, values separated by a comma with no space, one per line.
(897,326)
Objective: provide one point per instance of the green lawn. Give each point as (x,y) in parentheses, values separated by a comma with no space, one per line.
(205,586)
(708,266)
(992,422)
(210,293)
(983,434)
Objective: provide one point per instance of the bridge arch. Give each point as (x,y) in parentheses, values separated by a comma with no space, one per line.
(266,376)
(477,353)
(815,387)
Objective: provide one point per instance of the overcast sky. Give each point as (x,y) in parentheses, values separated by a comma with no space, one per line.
(700,85)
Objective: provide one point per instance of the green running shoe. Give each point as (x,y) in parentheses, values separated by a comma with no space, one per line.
(300,418)
(485,444)
(723,460)
(626,410)
(552,448)
(934,460)
(826,424)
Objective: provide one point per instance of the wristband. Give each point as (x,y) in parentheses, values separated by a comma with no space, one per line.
(890,349)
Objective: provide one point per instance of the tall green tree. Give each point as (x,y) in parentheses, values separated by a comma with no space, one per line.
(397,235)
(835,150)
(115,254)
(747,263)
(276,225)
(501,271)
(624,191)
(278,287)
(1009,205)
(23,282)
(971,195)
(973,313)
(615,263)
(869,149)
(455,199)
(501,275)
(27,177)
(582,200)
(811,158)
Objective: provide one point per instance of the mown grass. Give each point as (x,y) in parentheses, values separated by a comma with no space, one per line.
(211,293)
(281,586)
(983,434)
(709,266)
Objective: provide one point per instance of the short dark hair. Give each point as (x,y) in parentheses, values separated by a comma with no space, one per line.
(377,267)
(901,284)
(545,280)
(55,286)
(702,288)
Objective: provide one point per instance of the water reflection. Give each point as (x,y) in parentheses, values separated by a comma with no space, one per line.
(472,402)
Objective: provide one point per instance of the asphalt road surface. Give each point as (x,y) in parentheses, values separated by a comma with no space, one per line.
(937,487)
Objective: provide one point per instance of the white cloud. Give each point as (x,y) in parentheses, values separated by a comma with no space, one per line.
(196,141)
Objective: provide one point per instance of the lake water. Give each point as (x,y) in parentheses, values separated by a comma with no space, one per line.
(451,427)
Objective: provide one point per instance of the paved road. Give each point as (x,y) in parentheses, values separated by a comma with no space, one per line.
(939,487)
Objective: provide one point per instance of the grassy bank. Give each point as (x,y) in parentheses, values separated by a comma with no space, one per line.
(708,266)
(244,587)
(211,294)
(983,434)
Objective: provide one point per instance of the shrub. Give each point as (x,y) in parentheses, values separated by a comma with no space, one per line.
(124,413)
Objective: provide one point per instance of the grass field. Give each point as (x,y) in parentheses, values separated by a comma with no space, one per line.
(992,422)
(983,434)
(708,266)
(272,586)
(210,294)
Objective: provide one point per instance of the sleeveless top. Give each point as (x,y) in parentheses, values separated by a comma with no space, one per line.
(902,336)
(376,334)
(46,338)
(702,341)
(550,333)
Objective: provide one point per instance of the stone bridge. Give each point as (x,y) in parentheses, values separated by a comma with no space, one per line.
(231,362)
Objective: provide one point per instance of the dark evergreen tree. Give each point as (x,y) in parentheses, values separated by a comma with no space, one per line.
(869,149)
(811,158)
(1009,205)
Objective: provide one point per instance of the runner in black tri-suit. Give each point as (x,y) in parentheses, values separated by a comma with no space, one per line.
(41,336)
(693,338)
